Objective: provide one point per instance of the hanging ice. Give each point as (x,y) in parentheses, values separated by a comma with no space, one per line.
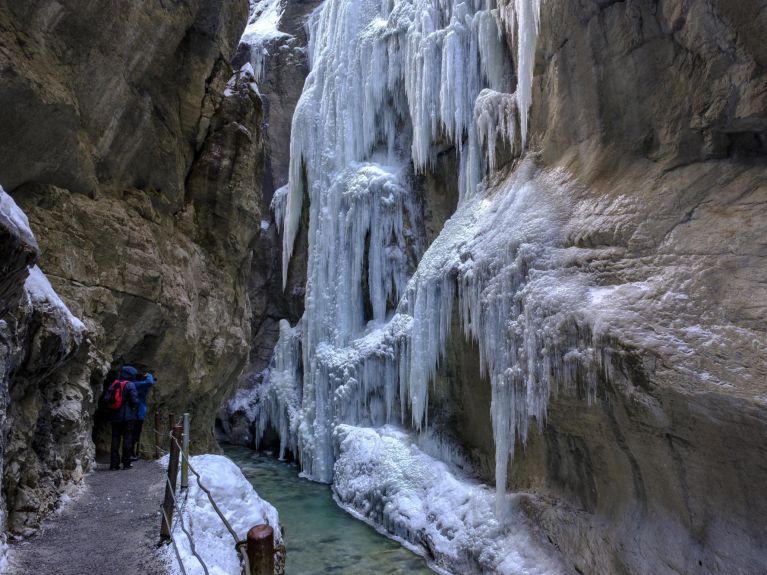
(262,28)
(392,83)
(279,398)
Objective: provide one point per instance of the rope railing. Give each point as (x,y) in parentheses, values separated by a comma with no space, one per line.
(256,552)
(175,546)
(180,523)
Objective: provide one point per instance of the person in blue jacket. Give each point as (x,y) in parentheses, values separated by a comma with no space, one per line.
(122,417)
(142,389)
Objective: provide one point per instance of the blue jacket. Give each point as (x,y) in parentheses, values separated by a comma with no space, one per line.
(142,389)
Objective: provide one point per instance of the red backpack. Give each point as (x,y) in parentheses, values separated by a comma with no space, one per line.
(116,394)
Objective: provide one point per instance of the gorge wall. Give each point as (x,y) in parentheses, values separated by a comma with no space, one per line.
(530,233)
(658,110)
(630,246)
(136,155)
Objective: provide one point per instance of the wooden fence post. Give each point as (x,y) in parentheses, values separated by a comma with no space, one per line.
(157,435)
(261,550)
(185,455)
(170,486)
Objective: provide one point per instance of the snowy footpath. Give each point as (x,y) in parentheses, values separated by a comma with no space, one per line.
(111,527)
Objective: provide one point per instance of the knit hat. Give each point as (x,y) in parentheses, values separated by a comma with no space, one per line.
(129,372)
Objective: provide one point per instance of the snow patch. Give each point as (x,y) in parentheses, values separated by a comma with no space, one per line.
(382,477)
(13,218)
(42,294)
(239,503)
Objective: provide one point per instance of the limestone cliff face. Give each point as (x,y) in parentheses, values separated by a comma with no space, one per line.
(656,112)
(285,68)
(140,171)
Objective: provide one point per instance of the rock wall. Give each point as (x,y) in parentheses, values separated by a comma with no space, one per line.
(44,396)
(285,68)
(653,115)
(657,113)
(137,157)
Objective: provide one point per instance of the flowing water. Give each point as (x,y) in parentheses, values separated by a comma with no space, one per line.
(320,536)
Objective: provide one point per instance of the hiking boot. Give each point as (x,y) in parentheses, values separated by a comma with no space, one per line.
(129,466)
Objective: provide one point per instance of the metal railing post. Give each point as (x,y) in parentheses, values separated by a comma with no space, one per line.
(261,550)
(185,455)
(170,486)
(157,435)
(171,425)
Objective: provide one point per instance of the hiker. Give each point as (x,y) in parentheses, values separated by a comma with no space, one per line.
(143,386)
(121,403)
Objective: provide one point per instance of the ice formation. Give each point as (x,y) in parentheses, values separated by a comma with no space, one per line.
(382,477)
(393,83)
(262,28)
(279,400)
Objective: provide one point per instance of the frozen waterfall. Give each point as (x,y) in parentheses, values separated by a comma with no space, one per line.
(393,82)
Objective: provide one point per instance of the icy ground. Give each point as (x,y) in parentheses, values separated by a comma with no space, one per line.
(239,503)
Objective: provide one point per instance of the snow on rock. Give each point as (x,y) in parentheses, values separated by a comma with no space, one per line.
(39,291)
(382,477)
(13,218)
(239,503)
(41,294)
(262,28)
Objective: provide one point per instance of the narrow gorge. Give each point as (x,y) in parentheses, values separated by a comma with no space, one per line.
(494,270)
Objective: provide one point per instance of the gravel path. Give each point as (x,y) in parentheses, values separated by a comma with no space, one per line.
(111,528)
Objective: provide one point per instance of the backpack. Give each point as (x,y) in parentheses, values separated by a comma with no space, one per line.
(115,395)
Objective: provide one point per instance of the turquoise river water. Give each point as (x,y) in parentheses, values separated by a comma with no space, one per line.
(320,536)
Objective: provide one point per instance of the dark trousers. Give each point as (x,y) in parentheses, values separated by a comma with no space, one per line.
(138,425)
(122,432)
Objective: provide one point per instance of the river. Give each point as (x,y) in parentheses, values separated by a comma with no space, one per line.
(320,536)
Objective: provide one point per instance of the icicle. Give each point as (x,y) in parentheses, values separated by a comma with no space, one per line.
(522,21)
(279,396)
(262,28)
(392,83)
